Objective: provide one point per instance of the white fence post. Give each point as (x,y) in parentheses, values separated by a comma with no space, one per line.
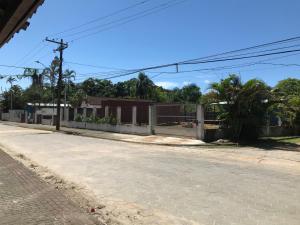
(84,113)
(119,114)
(66,114)
(94,112)
(134,114)
(106,111)
(75,113)
(152,119)
(26,116)
(200,125)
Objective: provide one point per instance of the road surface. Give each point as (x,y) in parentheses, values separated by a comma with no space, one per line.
(148,184)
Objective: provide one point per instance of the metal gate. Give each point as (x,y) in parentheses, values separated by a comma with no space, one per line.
(176,120)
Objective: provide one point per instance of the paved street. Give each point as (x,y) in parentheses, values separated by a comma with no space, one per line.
(167,185)
(25,199)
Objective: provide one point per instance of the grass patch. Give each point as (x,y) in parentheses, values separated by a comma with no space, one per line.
(290,143)
(291,140)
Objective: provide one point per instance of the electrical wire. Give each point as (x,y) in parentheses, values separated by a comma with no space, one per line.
(129,20)
(124,18)
(102,17)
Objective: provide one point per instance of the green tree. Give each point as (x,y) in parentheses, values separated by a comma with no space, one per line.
(144,87)
(11,80)
(18,94)
(287,93)
(99,88)
(191,93)
(244,106)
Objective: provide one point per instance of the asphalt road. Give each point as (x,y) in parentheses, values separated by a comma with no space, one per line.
(164,185)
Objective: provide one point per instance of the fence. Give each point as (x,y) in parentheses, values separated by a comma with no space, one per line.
(14,116)
(183,120)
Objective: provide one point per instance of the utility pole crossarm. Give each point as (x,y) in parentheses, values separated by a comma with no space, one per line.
(65,45)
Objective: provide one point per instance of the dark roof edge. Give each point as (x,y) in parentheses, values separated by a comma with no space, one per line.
(22,21)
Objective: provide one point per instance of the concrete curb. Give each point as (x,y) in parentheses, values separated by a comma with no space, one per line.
(113,139)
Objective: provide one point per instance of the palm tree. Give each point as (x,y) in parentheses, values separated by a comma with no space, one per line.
(51,73)
(144,86)
(37,79)
(244,107)
(11,80)
(67,75)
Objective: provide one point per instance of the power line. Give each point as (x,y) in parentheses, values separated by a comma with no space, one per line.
(115,73)
(207,57)
(102,17)
(249,48)
(239,58)
(89,65)
(203,62)
(130,20)
(168,3)
(281,64)
(17,67)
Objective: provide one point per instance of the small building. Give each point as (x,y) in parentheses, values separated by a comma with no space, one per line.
(43,113)
(104,107)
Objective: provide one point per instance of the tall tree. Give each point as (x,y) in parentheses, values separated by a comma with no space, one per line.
(11,80)
(191,93)
(244,106)
(19,101)
(287,107)
(144,87)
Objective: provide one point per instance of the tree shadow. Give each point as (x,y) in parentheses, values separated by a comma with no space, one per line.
(270,144)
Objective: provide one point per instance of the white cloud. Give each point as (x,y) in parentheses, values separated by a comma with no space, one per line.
(185,83)
(167,84)
(207,81)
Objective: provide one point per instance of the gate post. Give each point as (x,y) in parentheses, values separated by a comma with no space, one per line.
(106,113)
(200,124)
(67,113)
(26,116)
(134,111)
(94,112)
(119,114)
(84,113)
(152,119)
(75,113)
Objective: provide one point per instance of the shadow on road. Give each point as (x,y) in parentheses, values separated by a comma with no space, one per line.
(271,144)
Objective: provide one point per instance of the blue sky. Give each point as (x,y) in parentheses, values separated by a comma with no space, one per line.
(192,29)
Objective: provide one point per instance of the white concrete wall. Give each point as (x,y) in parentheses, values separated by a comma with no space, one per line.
(127,129)
(47,122)
(5,116)
(13,116)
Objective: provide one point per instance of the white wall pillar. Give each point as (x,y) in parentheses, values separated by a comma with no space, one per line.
(119,114)
(84,113)
(134,115)
(200,125)
(66,114)
(62,115)
(26,116)
(35,117)
(152,119)
(106,111)
(75,113)
(94,112)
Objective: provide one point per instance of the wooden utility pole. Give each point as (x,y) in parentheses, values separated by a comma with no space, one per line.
(61,48)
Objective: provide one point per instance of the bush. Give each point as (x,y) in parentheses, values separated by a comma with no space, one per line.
(78,118)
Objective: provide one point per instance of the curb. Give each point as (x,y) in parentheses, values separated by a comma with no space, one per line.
(112,139)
